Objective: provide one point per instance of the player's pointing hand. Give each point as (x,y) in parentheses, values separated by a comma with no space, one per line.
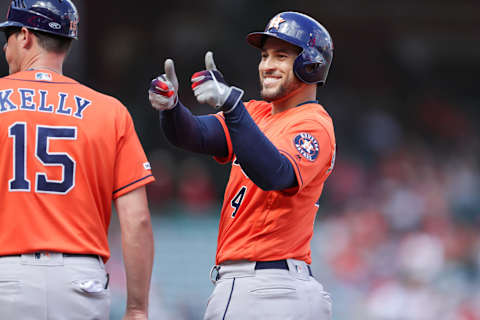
(163,92)
(210,87)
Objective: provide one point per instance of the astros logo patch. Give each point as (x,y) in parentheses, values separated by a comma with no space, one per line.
(307,145)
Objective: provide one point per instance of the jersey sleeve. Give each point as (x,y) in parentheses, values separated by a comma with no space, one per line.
(229,157)
(132,169)
(310,147)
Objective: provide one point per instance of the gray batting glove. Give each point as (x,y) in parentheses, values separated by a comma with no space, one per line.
(210,87)
(163,91)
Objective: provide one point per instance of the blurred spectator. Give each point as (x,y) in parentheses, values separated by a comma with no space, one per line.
(407,246)
(196,191)
(408,295)
(161,191)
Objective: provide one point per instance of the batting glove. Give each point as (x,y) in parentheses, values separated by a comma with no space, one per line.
(163,92)
(210,87)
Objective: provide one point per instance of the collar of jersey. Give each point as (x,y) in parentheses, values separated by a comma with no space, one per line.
(27,75)
(307,102)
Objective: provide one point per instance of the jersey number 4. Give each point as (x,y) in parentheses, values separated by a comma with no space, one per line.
(19,182)
(237,200)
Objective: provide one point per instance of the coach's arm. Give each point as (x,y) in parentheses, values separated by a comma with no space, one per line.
(137,247)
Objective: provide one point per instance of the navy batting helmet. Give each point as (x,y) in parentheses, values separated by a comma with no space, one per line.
(313,62)
(58,17)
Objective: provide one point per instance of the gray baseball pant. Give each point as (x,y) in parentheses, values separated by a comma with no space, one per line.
(243,293)
(51,286)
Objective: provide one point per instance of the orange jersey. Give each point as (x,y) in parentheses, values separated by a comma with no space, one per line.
(66,152)
(259,225)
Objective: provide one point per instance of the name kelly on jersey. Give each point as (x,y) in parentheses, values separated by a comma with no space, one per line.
(27,97)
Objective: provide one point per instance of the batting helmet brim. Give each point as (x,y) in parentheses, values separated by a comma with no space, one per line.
(257,39)
(8,24)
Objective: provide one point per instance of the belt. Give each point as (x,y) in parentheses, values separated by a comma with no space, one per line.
(277,264)
(64,254)
(80,255)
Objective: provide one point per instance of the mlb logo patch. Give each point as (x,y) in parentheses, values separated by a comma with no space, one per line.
(147,166)
(307,145)
(43,76)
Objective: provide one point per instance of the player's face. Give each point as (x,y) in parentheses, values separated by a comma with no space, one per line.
(277,79)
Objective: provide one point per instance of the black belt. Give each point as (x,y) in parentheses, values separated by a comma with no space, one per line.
(64,254)
(278,264)
(80,255)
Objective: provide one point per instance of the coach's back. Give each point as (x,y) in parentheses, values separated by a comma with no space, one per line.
(62,146)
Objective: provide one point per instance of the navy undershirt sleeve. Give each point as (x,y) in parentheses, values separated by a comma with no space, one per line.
(258,157)
(201,134)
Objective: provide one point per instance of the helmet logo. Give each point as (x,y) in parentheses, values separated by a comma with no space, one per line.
(55,25)
(275,23)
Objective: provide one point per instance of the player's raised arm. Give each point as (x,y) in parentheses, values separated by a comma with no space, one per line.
(259,158)
(202,134)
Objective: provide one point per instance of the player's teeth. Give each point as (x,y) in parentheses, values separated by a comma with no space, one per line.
(267,81)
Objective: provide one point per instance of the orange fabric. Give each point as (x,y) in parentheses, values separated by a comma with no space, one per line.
(229,157)
(108,162)
(274,225)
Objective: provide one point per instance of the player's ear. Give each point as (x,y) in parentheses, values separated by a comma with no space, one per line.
(25,37)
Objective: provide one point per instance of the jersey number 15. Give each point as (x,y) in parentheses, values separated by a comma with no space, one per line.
(19,182)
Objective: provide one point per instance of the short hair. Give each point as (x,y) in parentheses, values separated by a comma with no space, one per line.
(9,31)
(52,43)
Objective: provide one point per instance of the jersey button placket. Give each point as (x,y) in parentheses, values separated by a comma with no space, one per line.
(269,201)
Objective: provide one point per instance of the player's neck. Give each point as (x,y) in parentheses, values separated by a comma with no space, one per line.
(293,99)
(44,61)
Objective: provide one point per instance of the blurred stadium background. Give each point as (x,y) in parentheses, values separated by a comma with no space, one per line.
(398,229)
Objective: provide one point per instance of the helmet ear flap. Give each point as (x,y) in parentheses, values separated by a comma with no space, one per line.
(313,56)
(310,66)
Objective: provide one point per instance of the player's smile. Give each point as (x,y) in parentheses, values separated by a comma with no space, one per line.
(270,81)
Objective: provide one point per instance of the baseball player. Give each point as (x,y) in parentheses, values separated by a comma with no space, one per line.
(67,152)
(282,150)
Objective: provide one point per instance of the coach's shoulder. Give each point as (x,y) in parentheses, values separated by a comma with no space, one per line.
(104,99)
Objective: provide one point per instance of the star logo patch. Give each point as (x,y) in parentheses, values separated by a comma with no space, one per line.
(275,23)
(307,146)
